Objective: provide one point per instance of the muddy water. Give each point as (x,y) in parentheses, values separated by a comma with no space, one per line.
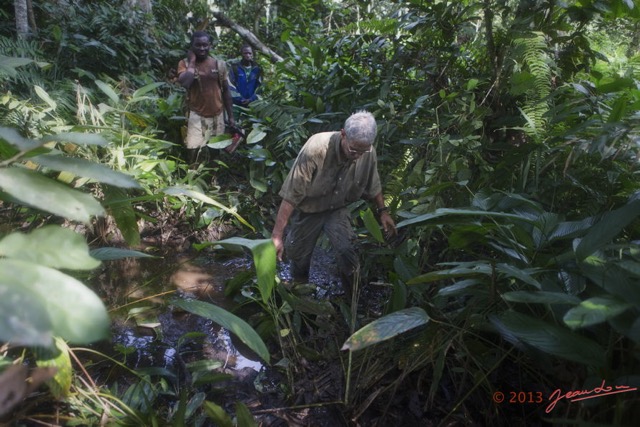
(149,332)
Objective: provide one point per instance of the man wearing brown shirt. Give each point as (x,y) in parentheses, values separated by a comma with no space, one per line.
(208,95)
(332,170)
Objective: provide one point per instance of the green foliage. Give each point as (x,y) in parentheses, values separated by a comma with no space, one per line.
(229,321)
(507,146)
(386,328)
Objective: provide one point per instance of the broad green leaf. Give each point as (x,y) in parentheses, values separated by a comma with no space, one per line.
(76,314)
(14,138)
(628,324)
(110,254)
(145,89)
(259,154)
(632,267)
(217,414)
(118,204)
(264,258)
(77,138)
(612,278)
(194,404)
(386,327)
(245,419)
(306,305)
(51,246)
(42,94)
(459,288)
(523,275)
(38,191)
(463,270)
(255,136)
(220,142)
(595,310)
(9,64)
(86,169)
(372,225)
(108,90)
(60,384)
(552,339)
(23,316)
(571,229)
(181,191)
(608,227)
(445,213)
(7,150)
(540,297)
(227,320)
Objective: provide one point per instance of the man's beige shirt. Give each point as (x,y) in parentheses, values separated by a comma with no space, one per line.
(323,179)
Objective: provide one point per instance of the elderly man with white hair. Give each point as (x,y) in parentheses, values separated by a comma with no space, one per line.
(332,170)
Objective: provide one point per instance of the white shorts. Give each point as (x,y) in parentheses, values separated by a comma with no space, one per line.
(201,129)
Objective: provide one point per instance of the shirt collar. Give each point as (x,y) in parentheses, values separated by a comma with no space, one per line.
(336,141)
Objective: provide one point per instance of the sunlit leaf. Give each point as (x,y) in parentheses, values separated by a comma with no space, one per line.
(255,136)
(227,320)
(182,191)
(440,215)
(139,93)
(42,94)
(220,142)
(75,312)
(58,358)
(77,138)
(87,169)
(595,310)
(551,339)
(51,246)
(9,64)
(108,90)
(264,258)
(14,138)
(386,327)
(38,191)
(24,319)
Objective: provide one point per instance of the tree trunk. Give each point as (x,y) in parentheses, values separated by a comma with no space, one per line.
(32,17)
(22,18)
(222,20)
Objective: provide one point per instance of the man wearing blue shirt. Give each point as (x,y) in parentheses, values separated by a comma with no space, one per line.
(246,77)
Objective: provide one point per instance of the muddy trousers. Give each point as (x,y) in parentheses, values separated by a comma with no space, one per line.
(304,231)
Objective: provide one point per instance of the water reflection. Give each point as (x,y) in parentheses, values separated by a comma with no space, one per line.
(148,331)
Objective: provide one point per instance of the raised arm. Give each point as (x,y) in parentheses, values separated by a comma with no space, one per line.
(187,77)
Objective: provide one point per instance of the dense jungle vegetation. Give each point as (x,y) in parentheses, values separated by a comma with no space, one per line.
(508,144)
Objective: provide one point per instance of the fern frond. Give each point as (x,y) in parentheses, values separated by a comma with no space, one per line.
(535,60)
